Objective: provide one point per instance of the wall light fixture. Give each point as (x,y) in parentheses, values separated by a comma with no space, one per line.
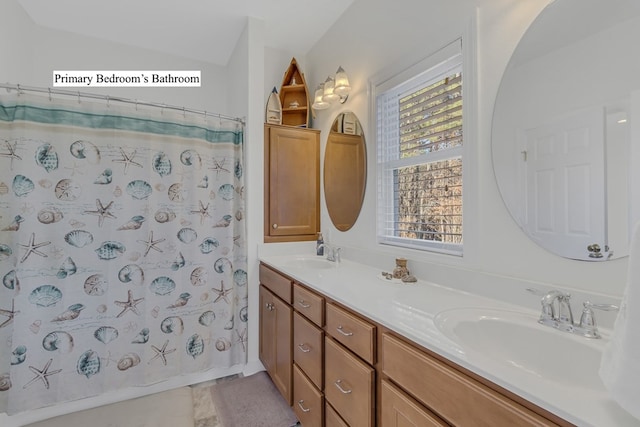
(335,88)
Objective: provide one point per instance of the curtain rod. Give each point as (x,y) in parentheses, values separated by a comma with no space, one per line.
(20,88)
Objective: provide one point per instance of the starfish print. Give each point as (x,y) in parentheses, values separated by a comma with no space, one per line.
(129,304)
(75,168)
(27,208)
(219,166)
(242,339)
(107,360)
(32,247)
(151,244)
(204,212)
(131,326)
(102,212)
(127,159)
(9,313)
(161,353)
(222,293)
(12,152)
(42,374)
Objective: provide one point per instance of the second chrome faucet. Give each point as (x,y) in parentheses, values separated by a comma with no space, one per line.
(557,313)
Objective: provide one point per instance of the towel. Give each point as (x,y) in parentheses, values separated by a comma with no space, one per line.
(620,364)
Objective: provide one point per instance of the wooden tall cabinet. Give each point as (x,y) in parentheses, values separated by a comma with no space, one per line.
(291,183)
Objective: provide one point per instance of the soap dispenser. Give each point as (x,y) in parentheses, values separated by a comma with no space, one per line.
(320,245)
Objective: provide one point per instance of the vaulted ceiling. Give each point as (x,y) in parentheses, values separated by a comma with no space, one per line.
(204,30)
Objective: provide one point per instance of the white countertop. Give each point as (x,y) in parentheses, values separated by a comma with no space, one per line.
(409,310)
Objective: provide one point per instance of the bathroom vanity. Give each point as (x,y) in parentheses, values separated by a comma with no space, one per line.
(356,350)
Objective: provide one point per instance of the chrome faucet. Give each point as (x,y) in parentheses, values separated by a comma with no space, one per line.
(556,310)
(557,313)
(333,252)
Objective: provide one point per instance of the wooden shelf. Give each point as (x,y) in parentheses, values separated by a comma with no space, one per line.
(294,93)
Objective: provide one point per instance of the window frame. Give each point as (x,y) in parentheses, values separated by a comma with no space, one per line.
(410,77)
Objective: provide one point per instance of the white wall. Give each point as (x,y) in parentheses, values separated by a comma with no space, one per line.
(376,37)
(30,54)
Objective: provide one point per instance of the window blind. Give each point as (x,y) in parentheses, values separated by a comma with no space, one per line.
(419,134)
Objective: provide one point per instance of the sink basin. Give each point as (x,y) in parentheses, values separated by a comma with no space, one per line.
(311,263)
(515,340)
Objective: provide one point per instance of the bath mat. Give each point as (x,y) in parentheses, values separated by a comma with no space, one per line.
(251,401)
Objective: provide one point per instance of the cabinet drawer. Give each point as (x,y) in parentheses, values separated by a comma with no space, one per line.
(398,409)
(356,334)
(278,284)
(308,402)
(307,348)
(332,419)
(349,385)
(309,304)
(454,396)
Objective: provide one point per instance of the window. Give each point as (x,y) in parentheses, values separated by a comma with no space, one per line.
(420,140)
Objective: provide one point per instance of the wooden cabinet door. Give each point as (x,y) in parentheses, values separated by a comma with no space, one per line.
(451,394)
(400,410)
(292,184)
(275,340)
(266,349)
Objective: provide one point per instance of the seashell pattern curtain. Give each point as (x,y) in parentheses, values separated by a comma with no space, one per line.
(122,247)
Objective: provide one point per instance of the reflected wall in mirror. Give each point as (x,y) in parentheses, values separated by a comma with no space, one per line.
(562,127)
(345,170)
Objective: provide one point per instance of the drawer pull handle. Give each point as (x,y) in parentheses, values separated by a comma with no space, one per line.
(343,332)
(338,384)
(304,304)
(303,348)
(300,402)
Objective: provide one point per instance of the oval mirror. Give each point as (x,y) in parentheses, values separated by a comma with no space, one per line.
(562,127)
(345,170)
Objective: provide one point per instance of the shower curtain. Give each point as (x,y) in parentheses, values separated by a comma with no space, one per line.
(122,247)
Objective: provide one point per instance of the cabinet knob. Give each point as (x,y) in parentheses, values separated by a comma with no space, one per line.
(274,226)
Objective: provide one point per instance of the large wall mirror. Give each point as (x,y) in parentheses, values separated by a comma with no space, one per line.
(562,125)
(345,170)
